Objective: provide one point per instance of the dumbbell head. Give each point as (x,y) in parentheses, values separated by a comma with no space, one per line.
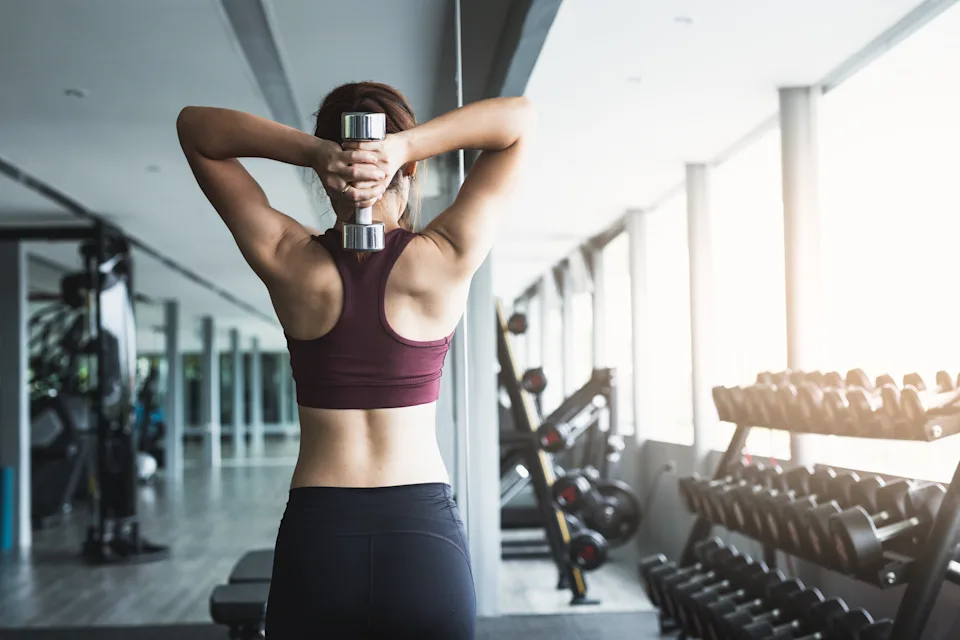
(555,438)
(859,543)
(588,549)
(534,380)
(570,491)
(517,323)
(880,630)
(363,234)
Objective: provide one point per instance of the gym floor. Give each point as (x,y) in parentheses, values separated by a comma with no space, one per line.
(209,521)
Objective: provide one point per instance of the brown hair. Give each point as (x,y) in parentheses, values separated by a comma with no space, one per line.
(371,97)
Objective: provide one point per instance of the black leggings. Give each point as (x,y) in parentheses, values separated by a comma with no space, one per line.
(387,562)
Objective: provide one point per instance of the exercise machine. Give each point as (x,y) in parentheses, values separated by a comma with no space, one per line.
(105,289)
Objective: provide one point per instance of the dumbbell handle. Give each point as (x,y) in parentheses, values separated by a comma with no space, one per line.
(359,127)
(894,530)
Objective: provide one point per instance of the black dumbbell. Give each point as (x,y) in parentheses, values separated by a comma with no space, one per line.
(731,624)
(693,489)
(534,381)
(750,599)
(675,592)
(746,582)
(879,630)
(860,544)
(570,490)
(690,607)
(919,406)
(729,505)
(815,523)
(587,549)
(517,323)
(650,564)
(816,612)
(708,554)
(792,619)
(865,400)
(882,504)
(904,423)
(805,484)
(846,626)
(829,485)
(554,438)
(786,488)
(731,404)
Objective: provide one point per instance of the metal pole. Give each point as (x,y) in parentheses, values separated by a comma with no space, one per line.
(173,410)
(801,231)
(930,568)
(461,407)
(702,318)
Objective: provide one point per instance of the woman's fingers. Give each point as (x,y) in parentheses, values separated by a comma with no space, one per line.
(360,196)
(359,157)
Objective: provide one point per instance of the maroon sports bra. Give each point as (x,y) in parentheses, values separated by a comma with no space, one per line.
(362,363)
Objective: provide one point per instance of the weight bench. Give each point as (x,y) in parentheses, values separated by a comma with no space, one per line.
(241,605)
(253,566)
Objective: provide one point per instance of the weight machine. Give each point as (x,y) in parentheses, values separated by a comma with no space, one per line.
(106,287)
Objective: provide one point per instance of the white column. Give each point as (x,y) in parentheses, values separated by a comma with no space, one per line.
(14,400)
(547,290)
(643,394)
(801,232)
(483,443)
(210,394)
(702,318)
(599,310)
(283,390)
(173,409)
(534,329)
(239,419)
(256,397)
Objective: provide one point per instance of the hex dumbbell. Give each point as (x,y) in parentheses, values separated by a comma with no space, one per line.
(860,543)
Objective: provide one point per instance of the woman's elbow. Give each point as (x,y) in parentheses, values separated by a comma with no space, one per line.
(185,121)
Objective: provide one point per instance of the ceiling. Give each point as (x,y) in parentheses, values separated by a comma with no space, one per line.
(627,92)
(116,151)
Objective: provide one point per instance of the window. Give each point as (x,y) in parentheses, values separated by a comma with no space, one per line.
(553,394)
(582,337)
(618,342)
(748,277)
(889,231)
(668,320)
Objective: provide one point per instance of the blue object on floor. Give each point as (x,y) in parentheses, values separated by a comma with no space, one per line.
(6,508)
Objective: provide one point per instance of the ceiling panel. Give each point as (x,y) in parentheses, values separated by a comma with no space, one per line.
(629,91)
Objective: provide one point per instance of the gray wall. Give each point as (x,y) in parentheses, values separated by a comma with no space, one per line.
(666,525)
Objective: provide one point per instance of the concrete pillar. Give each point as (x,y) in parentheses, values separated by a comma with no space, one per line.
(599,332)
(483,443)
(15,522)
(256,397)
(173,409)
(210,393)
(643,393)
(801,233)
(702,318)
(534,329)
(567,332)
(239,419)
(547,291)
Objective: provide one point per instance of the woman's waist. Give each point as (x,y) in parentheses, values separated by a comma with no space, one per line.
(381,453)
(427,507)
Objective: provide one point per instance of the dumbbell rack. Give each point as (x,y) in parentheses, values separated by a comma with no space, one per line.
(540,467)
(923,575)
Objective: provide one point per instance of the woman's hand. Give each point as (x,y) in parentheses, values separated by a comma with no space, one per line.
(354,174)
(389,155)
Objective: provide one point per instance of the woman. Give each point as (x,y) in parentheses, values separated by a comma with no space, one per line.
(371,544)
